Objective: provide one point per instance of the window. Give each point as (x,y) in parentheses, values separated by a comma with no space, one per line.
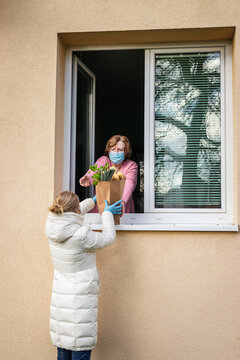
(187,130)
(184,114)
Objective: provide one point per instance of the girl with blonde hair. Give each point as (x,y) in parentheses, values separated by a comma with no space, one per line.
(74,303)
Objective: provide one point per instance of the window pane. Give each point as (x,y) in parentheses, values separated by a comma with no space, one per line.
(188,130)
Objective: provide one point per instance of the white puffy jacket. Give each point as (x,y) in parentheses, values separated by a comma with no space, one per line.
(74,304)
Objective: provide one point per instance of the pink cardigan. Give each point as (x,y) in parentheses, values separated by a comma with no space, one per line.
(130,170)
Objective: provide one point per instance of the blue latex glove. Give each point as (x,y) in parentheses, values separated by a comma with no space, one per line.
(94,199)
(115,208)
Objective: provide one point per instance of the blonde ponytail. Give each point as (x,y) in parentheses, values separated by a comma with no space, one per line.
(56,209)
(66,201)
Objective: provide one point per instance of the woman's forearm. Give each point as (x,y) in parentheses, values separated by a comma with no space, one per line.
(128,189)
(131,182)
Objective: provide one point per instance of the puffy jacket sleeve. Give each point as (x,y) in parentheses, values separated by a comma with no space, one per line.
(86,205)
(97,240)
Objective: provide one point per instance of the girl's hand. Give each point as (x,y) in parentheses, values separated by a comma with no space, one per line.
(85,181)
(114,208)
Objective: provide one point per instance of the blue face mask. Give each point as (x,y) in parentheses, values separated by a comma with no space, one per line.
(116,157)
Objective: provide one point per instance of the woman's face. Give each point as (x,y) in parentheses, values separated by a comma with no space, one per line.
(118,147)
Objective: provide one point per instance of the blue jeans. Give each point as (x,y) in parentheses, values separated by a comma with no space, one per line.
(73,355)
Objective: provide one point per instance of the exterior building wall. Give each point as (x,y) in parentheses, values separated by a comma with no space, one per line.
(164,295)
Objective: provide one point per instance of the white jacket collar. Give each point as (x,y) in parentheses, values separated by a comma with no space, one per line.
(60,227)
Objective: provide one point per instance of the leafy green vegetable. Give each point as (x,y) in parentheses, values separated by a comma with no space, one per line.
(102,173)
(93,168)
(96,176)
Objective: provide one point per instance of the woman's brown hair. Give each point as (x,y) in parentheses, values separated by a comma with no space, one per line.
(66,201)
(114,139)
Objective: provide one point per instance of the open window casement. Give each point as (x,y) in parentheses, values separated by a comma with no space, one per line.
(188,138)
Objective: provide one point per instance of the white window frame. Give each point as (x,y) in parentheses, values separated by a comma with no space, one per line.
(165,219)
(77,62)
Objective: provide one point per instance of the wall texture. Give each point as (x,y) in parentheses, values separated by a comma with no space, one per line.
(171,296)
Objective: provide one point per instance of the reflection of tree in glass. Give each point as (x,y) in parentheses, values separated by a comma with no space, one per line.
(187,130)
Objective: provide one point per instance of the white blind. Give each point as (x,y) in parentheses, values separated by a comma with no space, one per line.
(188,130)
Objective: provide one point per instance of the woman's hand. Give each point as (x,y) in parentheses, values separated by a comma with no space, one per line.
(85,181)
(123,208)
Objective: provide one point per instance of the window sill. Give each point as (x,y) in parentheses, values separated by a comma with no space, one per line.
(152,222)
(172,227)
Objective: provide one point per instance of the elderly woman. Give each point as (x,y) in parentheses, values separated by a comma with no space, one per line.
(117,153)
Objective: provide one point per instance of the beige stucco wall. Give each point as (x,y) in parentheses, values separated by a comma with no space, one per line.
(169,295)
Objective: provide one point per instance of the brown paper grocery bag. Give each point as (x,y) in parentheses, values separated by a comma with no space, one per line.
(111,191)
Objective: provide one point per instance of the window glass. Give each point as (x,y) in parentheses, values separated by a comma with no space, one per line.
(188,130)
